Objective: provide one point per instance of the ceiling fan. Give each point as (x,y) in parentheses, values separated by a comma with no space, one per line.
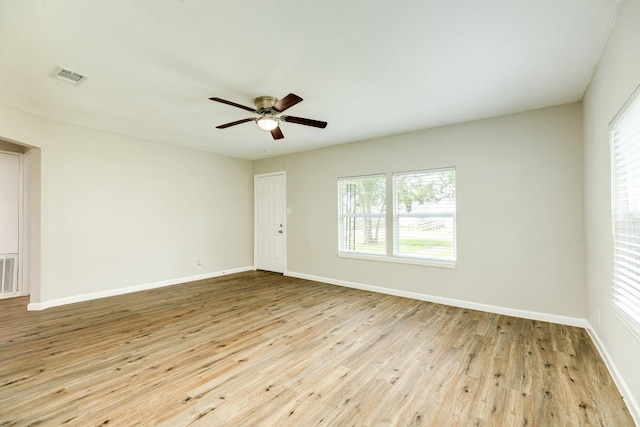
(270,111)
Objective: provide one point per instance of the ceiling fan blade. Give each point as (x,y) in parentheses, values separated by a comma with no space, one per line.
(277,133)
(233,104)
(286,102)
(303,121)
(237,122)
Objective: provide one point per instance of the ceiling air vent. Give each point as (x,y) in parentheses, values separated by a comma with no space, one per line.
(69,76)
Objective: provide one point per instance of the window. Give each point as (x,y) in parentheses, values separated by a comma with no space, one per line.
(420,208)
(362,211)
(424,215)
(624,134)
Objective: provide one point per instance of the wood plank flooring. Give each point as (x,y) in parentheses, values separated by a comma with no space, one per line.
(260,349)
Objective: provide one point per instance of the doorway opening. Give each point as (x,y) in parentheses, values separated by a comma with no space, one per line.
(17,219)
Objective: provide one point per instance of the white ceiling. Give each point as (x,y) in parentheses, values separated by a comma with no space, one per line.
(367,67)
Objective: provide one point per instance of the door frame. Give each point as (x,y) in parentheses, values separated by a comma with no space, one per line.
(255,216)
(24,272)
(22,287)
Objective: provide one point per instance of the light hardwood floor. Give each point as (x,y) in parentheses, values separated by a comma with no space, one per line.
(257,348)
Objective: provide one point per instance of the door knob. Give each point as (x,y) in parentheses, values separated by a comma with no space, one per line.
(280,231)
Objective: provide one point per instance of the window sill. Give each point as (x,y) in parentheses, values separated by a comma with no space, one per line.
(397,260)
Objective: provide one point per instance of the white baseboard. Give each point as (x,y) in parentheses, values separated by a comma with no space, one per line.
(632,404)
(533,315)
(129,289)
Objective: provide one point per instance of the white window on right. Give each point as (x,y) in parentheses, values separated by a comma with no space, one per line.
(624,137)
(424,215)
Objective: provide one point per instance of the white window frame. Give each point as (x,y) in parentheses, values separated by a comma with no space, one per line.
(390,231)
(397,215)
(342,215)
(624,145)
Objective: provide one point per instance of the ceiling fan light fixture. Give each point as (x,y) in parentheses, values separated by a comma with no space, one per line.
(267,122)
(269,111)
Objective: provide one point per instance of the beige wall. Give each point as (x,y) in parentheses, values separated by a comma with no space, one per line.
(617,76)
(519,210)
(119,212)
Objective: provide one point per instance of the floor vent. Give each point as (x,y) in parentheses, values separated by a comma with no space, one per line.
(69,76)
(8,275)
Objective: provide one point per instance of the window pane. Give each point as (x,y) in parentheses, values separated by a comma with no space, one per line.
(364,235)
(428,238)
(625,165)
(425,215)
(362,208)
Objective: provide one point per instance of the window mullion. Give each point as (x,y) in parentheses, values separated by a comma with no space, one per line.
(392,220)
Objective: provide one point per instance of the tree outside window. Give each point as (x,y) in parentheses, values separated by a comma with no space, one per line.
(362,214)
(423,215)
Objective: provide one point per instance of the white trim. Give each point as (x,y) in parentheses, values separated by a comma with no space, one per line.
(623,109)
(632,404)
(10,295)
(19,256)
(136,288)
(525,314)
(24,246)
(397,259)
(14,153)
(623,388)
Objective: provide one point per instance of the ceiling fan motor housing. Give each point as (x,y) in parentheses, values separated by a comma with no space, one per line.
(264,104)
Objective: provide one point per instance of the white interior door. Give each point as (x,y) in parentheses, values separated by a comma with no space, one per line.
(9,222)
(270,227)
